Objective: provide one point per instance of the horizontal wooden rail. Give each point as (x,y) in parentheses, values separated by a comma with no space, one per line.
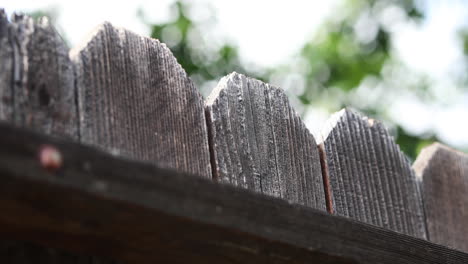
(88,202)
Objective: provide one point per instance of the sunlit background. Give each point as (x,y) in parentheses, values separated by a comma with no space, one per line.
(401,61)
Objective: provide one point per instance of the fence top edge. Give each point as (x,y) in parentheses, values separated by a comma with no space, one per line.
(101,28)
(234,77)
(339,116)
(222,84)
(430,152)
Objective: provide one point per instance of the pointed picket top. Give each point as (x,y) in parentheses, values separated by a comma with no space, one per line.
(443,172)
(135,100)
(368,177)
(260,143)
(425,157)
(36,77)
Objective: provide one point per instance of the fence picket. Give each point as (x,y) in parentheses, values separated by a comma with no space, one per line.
(128,95)
(36,77)
(37,92)
(370,179)
(135,99)
(259,142)
(444,176)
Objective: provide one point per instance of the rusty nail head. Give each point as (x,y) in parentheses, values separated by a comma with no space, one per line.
(50,158)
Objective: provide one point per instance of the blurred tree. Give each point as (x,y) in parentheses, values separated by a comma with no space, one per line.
(52,15)
(204,62)
(463,36)
(354,44)
(349,62)
(343,65)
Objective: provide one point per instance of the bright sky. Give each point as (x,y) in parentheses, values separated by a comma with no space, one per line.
(430,48)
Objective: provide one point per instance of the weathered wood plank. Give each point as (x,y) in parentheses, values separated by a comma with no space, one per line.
(370,179)
(6,69)
(259,142)
(97,203)
(36,91)
(36,77)
(135,99)
(444,175)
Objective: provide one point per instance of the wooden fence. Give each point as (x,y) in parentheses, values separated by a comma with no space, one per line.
(235,178)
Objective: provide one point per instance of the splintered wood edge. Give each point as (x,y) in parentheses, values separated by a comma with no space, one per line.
(222,85)
(329,125)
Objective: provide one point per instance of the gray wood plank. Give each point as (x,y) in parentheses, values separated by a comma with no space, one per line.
(36,77)
(135,100)
(37,92)
(6,69)
(259,142)
(139,213)
(444,175)
(369,178)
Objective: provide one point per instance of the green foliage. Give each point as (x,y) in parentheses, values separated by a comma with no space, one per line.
(351,46)
(344,60)
(52,15)
(201,61)
(343,54)
(411,144)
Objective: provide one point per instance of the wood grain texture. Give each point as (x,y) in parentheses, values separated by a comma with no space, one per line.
(137,101)
(137,213)
(6,69)
(37,91)
(259,142)
(444,175)
(370,179)
(36,77)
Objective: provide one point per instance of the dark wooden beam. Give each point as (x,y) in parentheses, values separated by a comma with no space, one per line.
(94,203)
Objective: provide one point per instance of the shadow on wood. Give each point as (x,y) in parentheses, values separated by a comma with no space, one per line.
(99,204)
